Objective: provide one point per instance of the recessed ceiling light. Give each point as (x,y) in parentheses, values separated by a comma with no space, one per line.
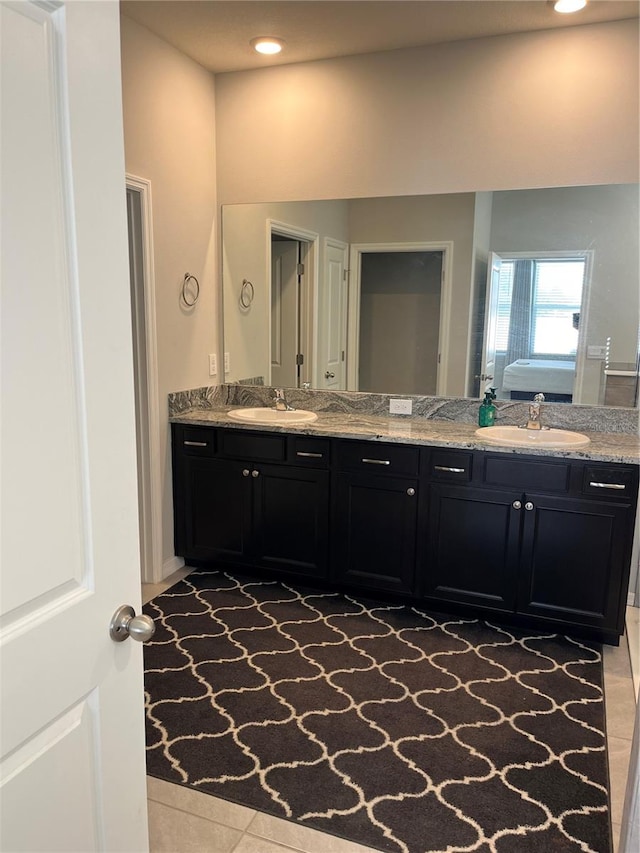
(567,6)
(268,45)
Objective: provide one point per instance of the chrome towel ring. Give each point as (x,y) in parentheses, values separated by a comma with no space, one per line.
(190,293)
(247,292)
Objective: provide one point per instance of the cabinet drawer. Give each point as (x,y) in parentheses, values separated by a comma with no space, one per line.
(375,458)
(450,465)
(526,474)
(257,446)
(309,452)
(609,481)
(196,441)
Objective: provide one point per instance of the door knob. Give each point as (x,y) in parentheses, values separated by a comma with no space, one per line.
(329,375)
(125,624)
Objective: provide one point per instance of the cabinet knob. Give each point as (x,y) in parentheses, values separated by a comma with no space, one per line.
(255,473)
(517,504)
(528,506)
(411,492)
(245,472)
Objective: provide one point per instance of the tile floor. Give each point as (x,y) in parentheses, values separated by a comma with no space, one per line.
(186,821)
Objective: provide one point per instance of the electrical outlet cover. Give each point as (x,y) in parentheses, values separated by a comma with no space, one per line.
(400,407)
(596,352)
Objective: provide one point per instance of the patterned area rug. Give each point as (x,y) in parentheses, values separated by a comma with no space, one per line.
(377,723)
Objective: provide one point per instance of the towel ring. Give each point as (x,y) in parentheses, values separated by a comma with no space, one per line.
(247,292)
(185,290)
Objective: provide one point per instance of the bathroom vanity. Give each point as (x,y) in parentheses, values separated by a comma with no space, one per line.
(432,518)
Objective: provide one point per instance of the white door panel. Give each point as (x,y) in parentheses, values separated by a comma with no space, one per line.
(284,313)
(332,321)
(72,750)
(488,364)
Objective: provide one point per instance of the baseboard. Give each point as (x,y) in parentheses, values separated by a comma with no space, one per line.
(171,565)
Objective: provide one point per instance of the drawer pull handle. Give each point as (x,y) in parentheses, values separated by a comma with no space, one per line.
(309,455)
(447,468)
(607,485)
(195,443)
(377,461)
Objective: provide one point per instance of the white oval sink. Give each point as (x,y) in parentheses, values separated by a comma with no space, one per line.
(273,417)
(516,436)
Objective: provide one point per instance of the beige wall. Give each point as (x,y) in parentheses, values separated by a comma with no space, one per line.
(539,109)
(169,127)
(245,228)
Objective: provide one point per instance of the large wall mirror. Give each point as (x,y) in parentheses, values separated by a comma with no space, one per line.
(523,290)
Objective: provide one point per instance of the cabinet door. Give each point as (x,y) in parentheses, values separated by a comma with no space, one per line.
(574,554)
(375,521)
(471,553)
(217,509)
(291,519)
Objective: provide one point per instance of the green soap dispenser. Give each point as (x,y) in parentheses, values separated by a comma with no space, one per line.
(487,413)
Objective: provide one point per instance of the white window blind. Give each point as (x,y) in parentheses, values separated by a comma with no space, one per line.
(556,295)
(505,289)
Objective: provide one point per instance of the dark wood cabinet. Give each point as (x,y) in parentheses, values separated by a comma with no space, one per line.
(472,547)
(291,519)
(540,541)
(375,516)
(573,554)
(375,526)
(254,513)
(498,542)
(217,510)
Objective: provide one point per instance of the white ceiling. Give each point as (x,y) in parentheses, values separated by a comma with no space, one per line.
(216,33)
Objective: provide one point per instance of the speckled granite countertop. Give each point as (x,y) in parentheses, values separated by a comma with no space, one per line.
(604,447)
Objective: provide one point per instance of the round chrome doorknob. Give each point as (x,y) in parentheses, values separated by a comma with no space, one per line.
(125,624)
(517,504)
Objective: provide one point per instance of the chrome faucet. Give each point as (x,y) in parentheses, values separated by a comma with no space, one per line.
(535,411)
(280,401)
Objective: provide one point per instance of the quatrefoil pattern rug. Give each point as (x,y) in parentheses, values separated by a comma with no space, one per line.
(381,724)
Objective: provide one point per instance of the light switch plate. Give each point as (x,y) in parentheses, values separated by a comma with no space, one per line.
(213,364)
(400,407)
(227,362)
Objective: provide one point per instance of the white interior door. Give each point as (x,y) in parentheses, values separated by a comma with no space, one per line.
(284,313)
(488,365)
(72,747)
(332,319)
